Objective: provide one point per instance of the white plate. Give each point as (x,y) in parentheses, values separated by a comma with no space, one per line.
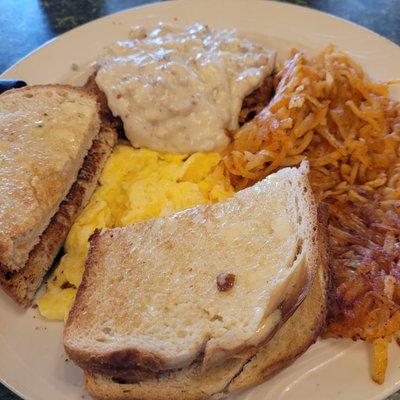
(32,361)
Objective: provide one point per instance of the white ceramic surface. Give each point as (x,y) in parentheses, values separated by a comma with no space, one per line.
(32,361)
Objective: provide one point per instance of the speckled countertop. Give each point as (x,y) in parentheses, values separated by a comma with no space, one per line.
(27,24)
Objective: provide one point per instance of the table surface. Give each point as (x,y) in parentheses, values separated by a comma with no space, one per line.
(27,24)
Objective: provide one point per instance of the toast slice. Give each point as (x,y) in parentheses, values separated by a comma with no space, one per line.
(298,333)
(46,132)
(202,285)
(23,284)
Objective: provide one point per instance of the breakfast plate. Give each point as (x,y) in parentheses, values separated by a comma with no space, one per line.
(33,362)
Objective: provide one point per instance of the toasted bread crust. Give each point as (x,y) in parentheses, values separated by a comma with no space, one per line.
(118,364)
(291,341)
(105,112)
(82,90)
(43,193)
(92,88)
(22,285)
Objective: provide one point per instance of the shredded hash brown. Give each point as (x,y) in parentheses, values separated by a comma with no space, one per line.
(327,110)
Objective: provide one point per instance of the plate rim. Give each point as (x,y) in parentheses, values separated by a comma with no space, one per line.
(25,58)
(167,2)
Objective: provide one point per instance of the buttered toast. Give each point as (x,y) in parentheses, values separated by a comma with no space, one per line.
(201,285)
(298,333)
(23,284)
(46,132)
(52,137)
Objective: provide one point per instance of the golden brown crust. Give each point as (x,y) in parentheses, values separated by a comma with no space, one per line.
(22,285)
(82,90)
(105,112)
(92,88)
(119,364)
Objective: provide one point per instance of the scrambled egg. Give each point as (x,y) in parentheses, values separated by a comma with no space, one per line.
(135,185)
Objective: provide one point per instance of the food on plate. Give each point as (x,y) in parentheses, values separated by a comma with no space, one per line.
(380,359)
(38,168)
(179,90)
(22,285)
(194,383)
(135,185)
(202,302)
(45,179)
(324,109)
(327,110)
(150,303)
